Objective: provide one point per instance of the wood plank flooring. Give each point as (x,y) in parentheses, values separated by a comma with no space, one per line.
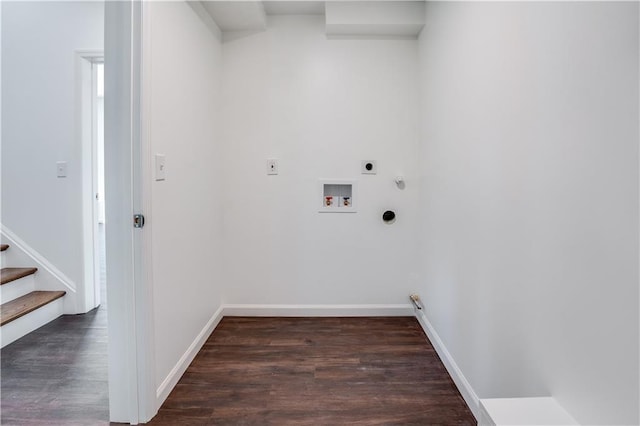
(316,371)
(57,375)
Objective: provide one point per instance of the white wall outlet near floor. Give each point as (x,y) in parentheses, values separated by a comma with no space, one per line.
(272,166)
(161,167)
(369,167)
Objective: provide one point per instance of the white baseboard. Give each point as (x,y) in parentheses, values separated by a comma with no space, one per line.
(48,276)
(454,371)
(399,310)
(185,360)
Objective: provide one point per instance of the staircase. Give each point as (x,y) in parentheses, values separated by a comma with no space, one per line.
(24,309)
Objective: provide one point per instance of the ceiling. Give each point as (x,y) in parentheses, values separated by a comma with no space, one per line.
(232,16)
(387,18)
(294,7)
(246,15)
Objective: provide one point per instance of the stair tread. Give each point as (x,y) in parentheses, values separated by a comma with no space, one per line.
(3,247)
(21,306)
(12,274)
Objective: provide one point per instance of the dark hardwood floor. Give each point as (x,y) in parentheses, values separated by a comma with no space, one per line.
(316,371)
(57,375)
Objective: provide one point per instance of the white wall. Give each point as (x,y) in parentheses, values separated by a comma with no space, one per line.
(38,125)
(529,216)
(320,107)
(186,217)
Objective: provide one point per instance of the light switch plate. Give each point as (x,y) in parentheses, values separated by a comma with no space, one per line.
(61,169)
(160,167)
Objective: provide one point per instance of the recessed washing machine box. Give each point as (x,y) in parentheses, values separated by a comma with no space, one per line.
(337,196)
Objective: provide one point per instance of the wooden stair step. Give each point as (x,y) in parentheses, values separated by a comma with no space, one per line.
(11,274)
(3,247)
(28,303)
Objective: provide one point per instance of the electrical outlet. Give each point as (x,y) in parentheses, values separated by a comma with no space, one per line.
(272,166)
(369,167)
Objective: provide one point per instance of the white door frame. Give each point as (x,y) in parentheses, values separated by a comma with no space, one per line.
(86,100)
(132,388)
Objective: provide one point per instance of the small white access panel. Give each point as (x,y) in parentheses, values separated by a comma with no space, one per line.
(337,196)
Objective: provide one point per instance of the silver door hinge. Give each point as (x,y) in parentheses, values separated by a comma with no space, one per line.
(138,220)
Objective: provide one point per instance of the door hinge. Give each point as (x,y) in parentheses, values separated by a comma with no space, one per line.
(138,220)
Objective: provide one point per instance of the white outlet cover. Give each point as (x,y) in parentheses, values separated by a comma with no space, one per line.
(369,167)
(272,166)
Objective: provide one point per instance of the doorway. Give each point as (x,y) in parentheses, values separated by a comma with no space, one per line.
(99,219)
(91,106)
(79,341)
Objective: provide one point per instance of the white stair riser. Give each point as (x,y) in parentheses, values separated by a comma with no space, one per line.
(17,288)
(3,261)
(11,332)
